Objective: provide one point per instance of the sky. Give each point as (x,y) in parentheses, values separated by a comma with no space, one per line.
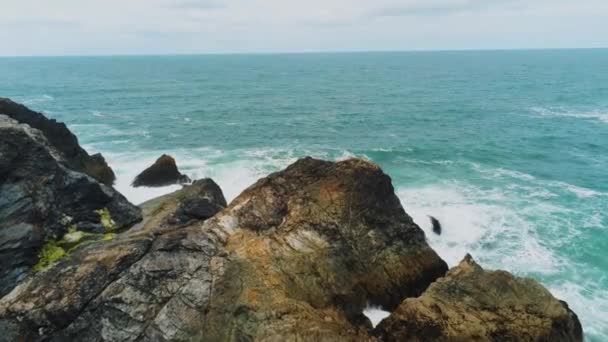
(110,27)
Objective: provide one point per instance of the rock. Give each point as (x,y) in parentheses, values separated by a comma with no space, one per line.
(206,204)
(64,142)
(163,172)
(126,280)
(41,200)
(470,304)
(297,256)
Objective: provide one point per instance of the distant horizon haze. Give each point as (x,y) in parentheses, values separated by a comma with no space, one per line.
(176,27)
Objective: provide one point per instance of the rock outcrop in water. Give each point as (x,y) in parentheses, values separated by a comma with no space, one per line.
(470,304)
(64,142)
(296,257)
(42,202)
(163,172)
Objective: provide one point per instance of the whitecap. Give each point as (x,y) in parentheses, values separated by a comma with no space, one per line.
(590,302)
(598,115)
(481,222)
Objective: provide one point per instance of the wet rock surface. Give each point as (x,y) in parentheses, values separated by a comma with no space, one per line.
(162,173)
(41,200)
(62,140)
(471,304)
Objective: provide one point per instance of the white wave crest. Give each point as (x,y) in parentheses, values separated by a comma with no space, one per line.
(599,115)
(475,221)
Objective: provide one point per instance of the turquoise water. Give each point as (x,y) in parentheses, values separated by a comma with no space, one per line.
(509,149)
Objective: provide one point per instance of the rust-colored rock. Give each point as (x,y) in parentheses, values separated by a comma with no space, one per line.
(471,304)
(296,257)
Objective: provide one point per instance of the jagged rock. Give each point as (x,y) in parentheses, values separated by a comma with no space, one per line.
(163,172)
(470,304)
(41,200)
(297,256)
(64,142)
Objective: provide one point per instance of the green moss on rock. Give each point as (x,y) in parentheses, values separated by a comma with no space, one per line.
(108,237)
(49,254)
(106,220)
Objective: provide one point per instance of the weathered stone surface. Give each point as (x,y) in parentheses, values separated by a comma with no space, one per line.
(113,290)
(163,172)
(308,248)
(41,199)
(470,304)
(297,256)
(63,141)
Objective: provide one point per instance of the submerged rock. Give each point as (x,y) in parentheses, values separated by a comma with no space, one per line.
(62,140)
(470,304)
(163,172)
(41,200)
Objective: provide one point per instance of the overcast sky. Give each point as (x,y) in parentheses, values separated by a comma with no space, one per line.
(85,27)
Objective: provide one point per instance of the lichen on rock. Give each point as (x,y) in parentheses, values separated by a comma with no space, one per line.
(49,254)
(106,220)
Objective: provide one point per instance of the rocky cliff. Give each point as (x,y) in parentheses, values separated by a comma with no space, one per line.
(62,140)
(296,257)
(42,201)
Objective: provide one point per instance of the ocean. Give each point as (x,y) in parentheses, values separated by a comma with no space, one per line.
(508,149)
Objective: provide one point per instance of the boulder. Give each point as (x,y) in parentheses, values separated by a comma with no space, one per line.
(162,173)
(471,304)
(297,256)
(62,140)
(41,200)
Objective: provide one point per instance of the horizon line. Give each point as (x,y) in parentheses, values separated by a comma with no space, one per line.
(301,52)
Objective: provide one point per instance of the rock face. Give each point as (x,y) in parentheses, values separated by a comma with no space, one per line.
(297,256)
(470,304)
(41,200)
(163,172)
(64,142)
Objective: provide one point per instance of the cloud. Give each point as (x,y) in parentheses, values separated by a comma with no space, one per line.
(201,26)
(196,4)
(39,23)
(433,8)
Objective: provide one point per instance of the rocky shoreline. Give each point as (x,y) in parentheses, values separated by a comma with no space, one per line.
(296,257)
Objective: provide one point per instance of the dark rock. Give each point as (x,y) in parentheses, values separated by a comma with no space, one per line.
(163,172)
(470,304)
(62,140)
(204,199)
(132,281)
(436,225)
(41,199)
